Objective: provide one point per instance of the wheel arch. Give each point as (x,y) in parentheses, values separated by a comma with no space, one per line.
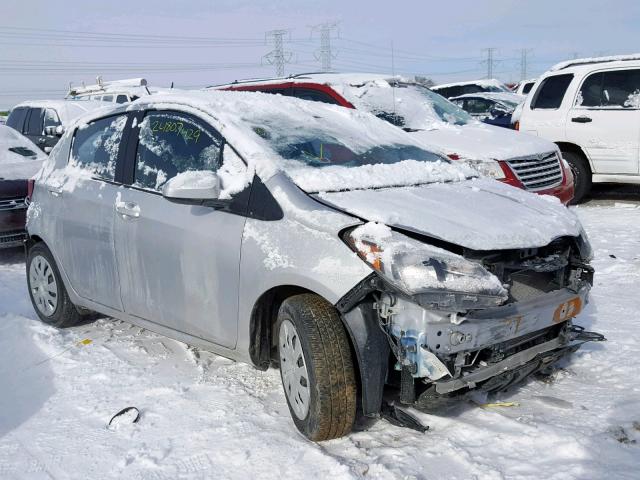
(572,147)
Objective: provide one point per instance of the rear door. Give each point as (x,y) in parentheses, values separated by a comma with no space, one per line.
(178,263)
(605,120)
(86,197)
(33,128)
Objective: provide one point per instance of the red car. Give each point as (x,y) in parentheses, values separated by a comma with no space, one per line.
(523,161)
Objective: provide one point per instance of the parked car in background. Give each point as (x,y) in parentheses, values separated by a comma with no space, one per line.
(20,160)
(449,90)
(591,109)
(115,91)
(492,108)
(521,161)
(525,86)
(246,224)
(43,121)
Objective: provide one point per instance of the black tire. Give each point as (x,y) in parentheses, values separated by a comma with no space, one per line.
(581,175)
(333,391)
(65,313)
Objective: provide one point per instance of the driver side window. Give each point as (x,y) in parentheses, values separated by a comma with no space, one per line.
(171,143)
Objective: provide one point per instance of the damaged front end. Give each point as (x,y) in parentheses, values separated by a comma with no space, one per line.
(463,320)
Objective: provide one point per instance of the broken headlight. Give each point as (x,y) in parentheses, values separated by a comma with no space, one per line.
(437,278)
(584,246)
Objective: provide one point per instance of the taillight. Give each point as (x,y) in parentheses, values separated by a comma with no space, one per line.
(516,126)
(31,183)
(453,156)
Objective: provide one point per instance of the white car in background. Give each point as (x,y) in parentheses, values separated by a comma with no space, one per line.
(524,87)
(523,161)
(591,109)
(44,121)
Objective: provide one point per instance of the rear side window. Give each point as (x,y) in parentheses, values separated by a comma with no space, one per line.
(170,143)
(34,123)
(16,118)
(96,146)
(612,89)
(527,88)
(107,98)
(122,99)
(314,95)
(551,92)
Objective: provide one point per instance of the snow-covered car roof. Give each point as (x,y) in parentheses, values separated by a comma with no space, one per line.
(68,110)
(491,82)
(19,156)
(253,122)
(617,60)
(509,98)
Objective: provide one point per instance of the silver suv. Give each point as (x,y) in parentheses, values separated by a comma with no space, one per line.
(306,236)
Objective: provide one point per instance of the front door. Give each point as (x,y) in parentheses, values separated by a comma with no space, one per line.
(178,263)
(605,121)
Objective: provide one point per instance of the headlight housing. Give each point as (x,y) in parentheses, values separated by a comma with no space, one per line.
(487,168)
(436,277)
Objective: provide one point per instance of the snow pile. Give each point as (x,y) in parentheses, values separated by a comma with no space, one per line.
(195,179)
(487,85)
(408,172)
(203,416)
(20,158)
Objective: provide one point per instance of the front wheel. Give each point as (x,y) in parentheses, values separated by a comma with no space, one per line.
(316,367)
(581,175)
(46,290)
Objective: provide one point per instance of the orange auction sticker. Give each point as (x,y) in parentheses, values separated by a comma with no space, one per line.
(567,310)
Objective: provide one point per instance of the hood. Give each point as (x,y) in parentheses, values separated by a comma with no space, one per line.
(477,141)
(479,214)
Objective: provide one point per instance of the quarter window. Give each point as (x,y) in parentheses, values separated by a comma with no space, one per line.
(551,91)
(122,99)
(612,89)
(171,143)
(96,146)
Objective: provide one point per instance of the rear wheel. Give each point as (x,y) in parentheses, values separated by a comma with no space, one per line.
(581,175)
(316,367)
(46,290)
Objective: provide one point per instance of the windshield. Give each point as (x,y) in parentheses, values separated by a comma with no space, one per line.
(317,149)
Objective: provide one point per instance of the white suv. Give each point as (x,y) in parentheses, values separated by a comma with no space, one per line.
(591,109)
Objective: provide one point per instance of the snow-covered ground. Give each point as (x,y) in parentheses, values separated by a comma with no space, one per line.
(203,416)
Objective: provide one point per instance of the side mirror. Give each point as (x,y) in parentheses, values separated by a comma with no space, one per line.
(54,131)
(195,185)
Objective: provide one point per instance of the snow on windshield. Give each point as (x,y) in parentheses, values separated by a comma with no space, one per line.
(319,146)
(404,104)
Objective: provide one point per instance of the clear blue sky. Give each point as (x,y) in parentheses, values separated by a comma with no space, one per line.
(47,44)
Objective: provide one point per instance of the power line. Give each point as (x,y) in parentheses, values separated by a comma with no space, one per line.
(490,61)
(324,54)
(277,57)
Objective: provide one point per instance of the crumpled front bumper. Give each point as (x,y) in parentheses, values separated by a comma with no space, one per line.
(430,340)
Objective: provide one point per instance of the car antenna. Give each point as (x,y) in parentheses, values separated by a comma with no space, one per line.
(393,88)
(171,85)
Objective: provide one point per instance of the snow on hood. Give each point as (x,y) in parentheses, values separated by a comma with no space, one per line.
(13,165)
(479,141)
(479,214)
(484,83)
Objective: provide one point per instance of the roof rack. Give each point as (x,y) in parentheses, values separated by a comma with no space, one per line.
(102,86)
(268,79)
(593,60)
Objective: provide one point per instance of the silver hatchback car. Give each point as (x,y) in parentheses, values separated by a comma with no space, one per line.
(317,239)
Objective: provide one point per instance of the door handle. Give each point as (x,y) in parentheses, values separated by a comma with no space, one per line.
(128,209)
(55,191)
(581,119)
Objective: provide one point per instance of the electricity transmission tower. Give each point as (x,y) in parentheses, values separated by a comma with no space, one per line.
(490,61)
(324,55)
(277,57)
(524,57)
